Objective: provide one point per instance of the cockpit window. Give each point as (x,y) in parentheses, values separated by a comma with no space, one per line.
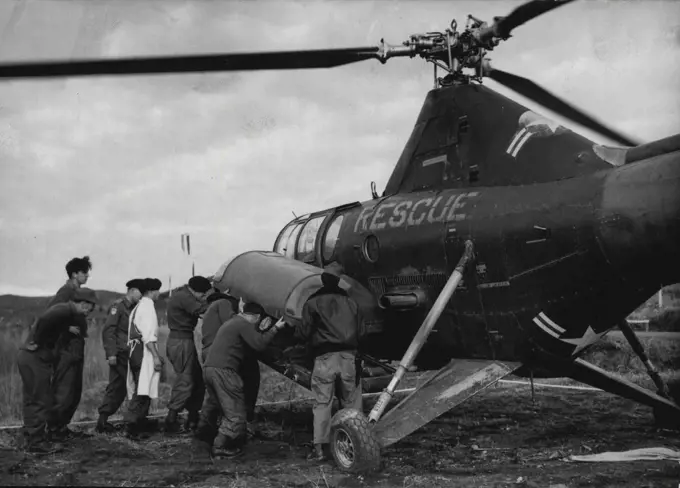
(331,238)
(290,243)
(305,247)
(283,239)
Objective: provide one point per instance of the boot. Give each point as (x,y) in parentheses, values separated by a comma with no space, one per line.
(191,422)
(133,432)
(171,424)
(148,425)
(317,454)
(226,447)
(103,425)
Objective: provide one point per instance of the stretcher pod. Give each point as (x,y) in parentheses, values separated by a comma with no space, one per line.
(282,285)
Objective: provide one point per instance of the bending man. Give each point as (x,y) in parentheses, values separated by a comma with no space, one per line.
(37,360)
(236,343)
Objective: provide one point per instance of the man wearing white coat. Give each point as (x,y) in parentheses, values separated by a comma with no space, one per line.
(145,362)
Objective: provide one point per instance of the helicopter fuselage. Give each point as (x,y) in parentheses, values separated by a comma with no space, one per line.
(557,264)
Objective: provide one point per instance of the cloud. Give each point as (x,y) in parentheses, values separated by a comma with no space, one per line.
(118,167)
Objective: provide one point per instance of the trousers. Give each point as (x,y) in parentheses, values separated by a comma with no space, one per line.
(68,379)
(334,374)
(225,397)
(188,389)
(138,406)
(38,407)
(116,390)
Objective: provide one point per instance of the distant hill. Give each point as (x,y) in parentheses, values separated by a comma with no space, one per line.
(18,310)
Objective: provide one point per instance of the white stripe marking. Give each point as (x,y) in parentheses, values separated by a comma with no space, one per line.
(550,322)
(515,139)
(438,159)
(519,145)
(546,328)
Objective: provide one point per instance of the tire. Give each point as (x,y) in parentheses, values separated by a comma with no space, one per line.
(352,444)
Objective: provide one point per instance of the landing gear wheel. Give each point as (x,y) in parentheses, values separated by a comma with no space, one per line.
(353,447)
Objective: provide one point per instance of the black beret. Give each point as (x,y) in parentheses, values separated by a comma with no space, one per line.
(254,308)
(200,284)
(136,283)
(152,284)
(85,295)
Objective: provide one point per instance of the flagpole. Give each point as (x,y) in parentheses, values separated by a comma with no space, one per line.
(187,248)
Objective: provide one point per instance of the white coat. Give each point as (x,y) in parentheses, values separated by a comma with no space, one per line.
(145,320)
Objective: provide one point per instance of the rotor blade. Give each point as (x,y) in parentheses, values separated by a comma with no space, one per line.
(321,58)
(502,26)
(540,95)
(524,13)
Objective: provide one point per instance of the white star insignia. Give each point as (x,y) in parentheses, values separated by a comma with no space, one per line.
(589,337)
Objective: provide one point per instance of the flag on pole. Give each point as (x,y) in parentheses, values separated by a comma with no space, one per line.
(186,244)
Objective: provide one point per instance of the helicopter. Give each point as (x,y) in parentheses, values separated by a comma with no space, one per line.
(503,243)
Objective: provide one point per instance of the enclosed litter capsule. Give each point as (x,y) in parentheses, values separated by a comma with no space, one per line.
(282,285)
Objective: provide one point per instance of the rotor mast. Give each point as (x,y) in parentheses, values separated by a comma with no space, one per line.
(450,51)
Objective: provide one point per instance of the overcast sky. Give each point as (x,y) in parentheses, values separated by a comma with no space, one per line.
(118,168)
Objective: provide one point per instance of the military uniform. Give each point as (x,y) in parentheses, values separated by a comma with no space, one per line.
(37,361)
(220,310)
(232,353)
(331,325)
(115,338)
(68,374)
(183,311)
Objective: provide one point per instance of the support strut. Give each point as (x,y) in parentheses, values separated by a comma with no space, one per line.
(639,349)
(424,331)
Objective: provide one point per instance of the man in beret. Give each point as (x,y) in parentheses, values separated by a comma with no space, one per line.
(37,361)
(115,338)
(145,362)
(183,310)
(69,370)
(235,344)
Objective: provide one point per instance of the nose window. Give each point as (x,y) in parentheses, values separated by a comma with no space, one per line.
(305,247)
(331,239)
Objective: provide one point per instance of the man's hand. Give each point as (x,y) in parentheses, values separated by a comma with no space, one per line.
(112,360)
(280,324)
(157,363)
(74,330)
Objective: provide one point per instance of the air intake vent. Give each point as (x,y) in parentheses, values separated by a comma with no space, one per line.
(434,282)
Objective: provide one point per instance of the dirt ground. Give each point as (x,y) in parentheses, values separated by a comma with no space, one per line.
(496,439)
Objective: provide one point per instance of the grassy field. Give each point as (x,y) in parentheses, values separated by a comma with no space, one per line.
(16,314)
(612,353)
(499,438)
